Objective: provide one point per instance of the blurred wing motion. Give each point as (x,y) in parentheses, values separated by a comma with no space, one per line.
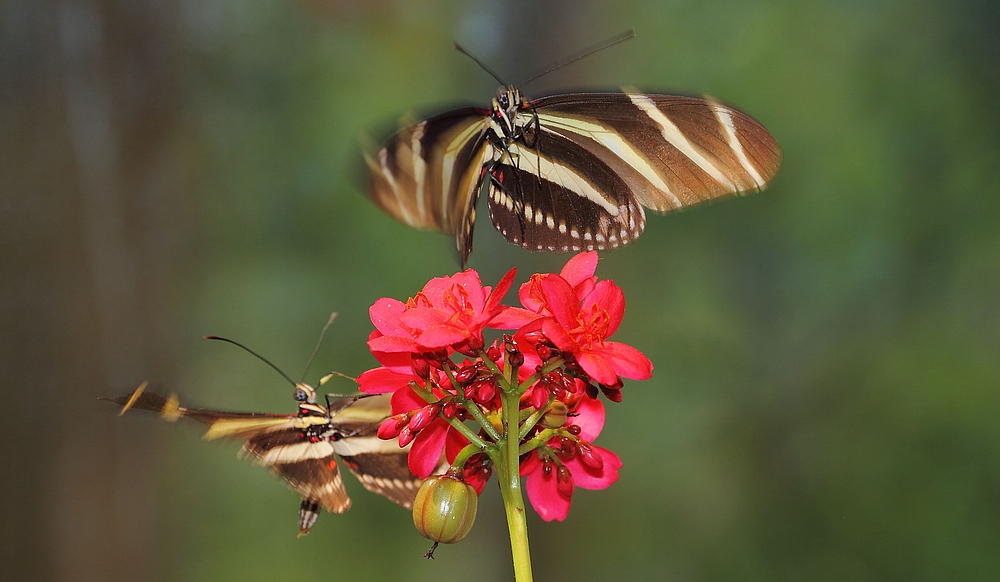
(569,172)
(303,448)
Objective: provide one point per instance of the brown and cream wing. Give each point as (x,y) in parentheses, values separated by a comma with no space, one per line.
(427,175)
(672,151)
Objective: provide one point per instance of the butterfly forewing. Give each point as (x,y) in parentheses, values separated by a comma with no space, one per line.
(672,151)
(428,175)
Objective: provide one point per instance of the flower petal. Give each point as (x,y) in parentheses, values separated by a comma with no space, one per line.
(425,454)
(610,298)
(406,400)
(439,336)
(589,417)
(385,313)
(496,296)
(382,380)
(587,478)
(580,268)
(597,367)
(512,318)
(627,361)
(393,343)
(561,301)
(545,497)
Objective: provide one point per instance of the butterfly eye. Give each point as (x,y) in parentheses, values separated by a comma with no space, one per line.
(504,101)
(301,395)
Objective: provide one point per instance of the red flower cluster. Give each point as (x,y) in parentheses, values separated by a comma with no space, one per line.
(445,379)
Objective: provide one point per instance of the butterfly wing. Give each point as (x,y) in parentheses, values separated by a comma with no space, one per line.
(381,466)
(600,157)
(273,440)
(428,175)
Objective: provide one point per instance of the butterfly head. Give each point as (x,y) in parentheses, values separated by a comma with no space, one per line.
(505,108)
(305,393)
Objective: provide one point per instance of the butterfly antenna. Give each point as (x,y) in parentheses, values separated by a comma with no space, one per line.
(621,37)
(319,342)
(255,354)
(480,63)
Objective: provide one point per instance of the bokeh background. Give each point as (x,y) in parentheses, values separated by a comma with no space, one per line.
(827,387)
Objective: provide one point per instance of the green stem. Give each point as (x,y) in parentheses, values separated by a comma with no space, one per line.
(510,487)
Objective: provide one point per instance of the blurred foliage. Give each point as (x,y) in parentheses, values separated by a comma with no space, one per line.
(827,384)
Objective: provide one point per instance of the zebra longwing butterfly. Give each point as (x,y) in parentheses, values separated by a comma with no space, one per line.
(302,448)
(569,172)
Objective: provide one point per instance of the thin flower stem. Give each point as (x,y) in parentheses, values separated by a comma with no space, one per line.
(464,455)
(510,487)
(530,380)
(457,424)
(472,407)
(531,421)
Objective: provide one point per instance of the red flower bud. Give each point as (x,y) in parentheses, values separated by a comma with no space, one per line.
(574,429)
(588,456)
(406,436)
(567,448)
(466,373)
(544,352)
(494,353)
(424,416)
(612,394)
(487,389)
(390,427)
(514,355)
(539,396)
(592,391)
(564,482)
(449,409)
(547,466)
(421,367)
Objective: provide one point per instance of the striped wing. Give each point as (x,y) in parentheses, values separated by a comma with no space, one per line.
(309,468)
(428,175)
(600,157)
(380,466)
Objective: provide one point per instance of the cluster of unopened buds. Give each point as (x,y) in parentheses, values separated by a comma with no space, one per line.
(526,405)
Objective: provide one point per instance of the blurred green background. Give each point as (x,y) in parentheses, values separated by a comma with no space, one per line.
(826,395)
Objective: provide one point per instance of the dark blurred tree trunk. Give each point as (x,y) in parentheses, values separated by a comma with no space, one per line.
(89,198)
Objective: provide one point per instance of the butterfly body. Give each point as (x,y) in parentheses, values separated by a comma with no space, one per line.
(569,172)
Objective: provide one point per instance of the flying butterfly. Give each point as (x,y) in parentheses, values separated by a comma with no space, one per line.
(568,172)
(302,448)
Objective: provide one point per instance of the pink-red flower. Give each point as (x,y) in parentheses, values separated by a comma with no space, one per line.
(554,470)
(561,349)
(448,312)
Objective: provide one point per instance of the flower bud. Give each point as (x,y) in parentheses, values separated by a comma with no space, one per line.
(406,436)
(544,352)
(449,409)
(588,456)
(485,391)
(555,416)
(539,396)
(514,355)
(421,418)
(612,394)
(390,427)
(465,373)
(564,481)
(494,353)
(445,509)
(421,367)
